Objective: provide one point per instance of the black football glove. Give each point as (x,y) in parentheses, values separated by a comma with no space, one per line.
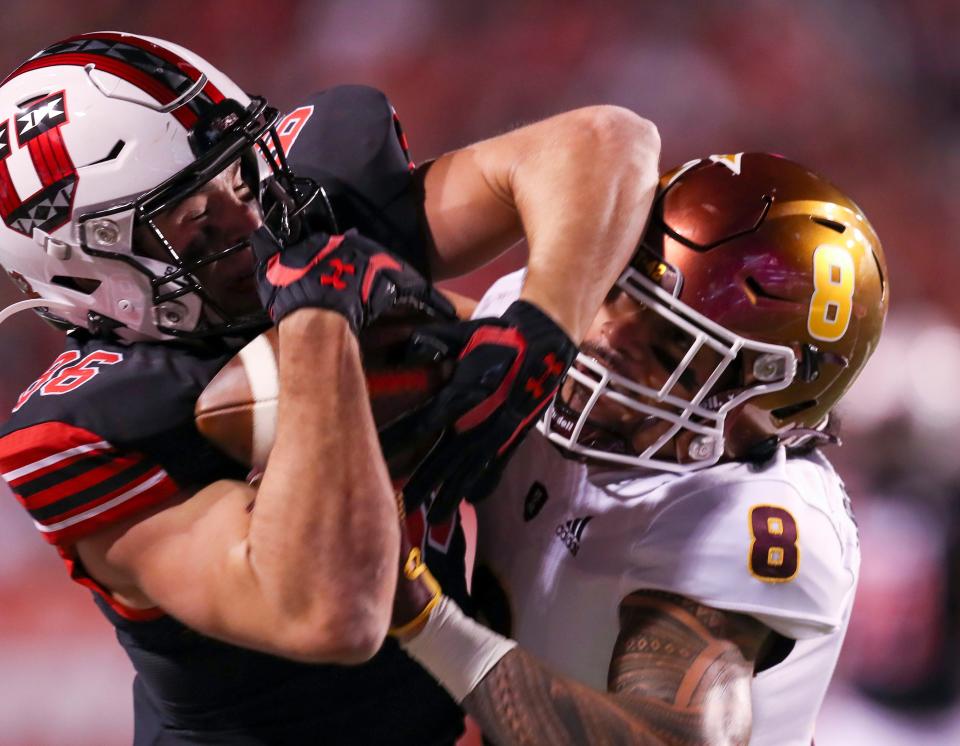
(347,273)
(507,371)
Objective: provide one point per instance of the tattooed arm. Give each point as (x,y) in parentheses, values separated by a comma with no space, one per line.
(680,674)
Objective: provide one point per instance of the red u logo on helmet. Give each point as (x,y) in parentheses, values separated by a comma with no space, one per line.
(38,128)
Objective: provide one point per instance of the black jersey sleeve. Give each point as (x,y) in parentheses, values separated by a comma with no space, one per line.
(349,140)
(71,481)
(108,431)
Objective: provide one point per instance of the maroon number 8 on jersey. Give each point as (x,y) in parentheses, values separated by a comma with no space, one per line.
(774,552)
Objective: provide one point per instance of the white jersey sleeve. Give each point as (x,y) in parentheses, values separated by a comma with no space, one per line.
(759,546)
(500,295)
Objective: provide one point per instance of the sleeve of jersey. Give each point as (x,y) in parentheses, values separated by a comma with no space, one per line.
(757,548)
(349,140)
(72,482)
(500,295)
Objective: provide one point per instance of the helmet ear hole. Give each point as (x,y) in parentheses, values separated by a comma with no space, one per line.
(83,285)
(827,223)
(113,154)
(762,450)
(790,410)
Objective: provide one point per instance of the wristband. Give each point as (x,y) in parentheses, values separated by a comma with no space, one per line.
(457,651)
(413,569)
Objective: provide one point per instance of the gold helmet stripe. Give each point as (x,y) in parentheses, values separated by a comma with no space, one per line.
(829,211)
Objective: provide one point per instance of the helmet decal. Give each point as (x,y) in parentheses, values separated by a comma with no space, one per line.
(38,128)
(833,288)
(730,160)
(158,72)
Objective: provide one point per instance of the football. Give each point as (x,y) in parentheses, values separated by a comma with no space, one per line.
(237,411)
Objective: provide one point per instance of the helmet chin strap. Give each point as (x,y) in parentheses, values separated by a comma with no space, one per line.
(23,305)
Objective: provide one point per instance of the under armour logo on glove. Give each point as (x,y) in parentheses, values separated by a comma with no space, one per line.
(508,370)
(552,368)
(348,273)
(338,269)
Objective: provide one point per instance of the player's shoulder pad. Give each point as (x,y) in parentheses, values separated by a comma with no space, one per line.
(758,546)
(125,393)
(107,431)
(349,140)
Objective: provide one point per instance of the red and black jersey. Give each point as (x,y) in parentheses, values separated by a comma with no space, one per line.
(348,139)
(107,431)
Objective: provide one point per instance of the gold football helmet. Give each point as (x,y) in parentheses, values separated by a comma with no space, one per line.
(775,290)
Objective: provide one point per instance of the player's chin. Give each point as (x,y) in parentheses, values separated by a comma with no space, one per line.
(646,434)
(605,412)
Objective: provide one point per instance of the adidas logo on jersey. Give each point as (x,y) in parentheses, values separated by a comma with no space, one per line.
(571,533)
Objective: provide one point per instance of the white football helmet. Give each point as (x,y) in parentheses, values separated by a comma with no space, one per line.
(99,133)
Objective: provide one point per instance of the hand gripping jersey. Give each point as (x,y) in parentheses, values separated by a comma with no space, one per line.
(564,543)
(108,431)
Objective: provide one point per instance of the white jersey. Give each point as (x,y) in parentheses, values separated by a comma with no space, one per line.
(567,543)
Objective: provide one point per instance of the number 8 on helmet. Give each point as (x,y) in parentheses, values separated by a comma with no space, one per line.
(768,290)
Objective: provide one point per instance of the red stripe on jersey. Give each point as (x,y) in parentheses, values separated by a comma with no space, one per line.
(118,463)
(28,447)
(41,451)
(58,464)
(423,534)
(155,487)
(78,575)
(159,493)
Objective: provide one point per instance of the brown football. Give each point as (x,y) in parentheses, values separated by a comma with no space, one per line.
(237,410)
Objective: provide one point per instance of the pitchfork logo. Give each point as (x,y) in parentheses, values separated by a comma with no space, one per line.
(38,128)
(45,115)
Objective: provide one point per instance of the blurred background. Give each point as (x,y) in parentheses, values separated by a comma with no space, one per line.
(866,92)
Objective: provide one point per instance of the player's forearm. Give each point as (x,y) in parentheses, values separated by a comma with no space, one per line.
(324,535)
(521,702)
(578,185)
(689,694)
(584,198)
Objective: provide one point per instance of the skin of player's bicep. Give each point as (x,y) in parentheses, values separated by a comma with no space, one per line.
(469,212)
(696,660)
(184,557)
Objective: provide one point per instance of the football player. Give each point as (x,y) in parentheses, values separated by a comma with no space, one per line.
(159,215)
(671,559)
